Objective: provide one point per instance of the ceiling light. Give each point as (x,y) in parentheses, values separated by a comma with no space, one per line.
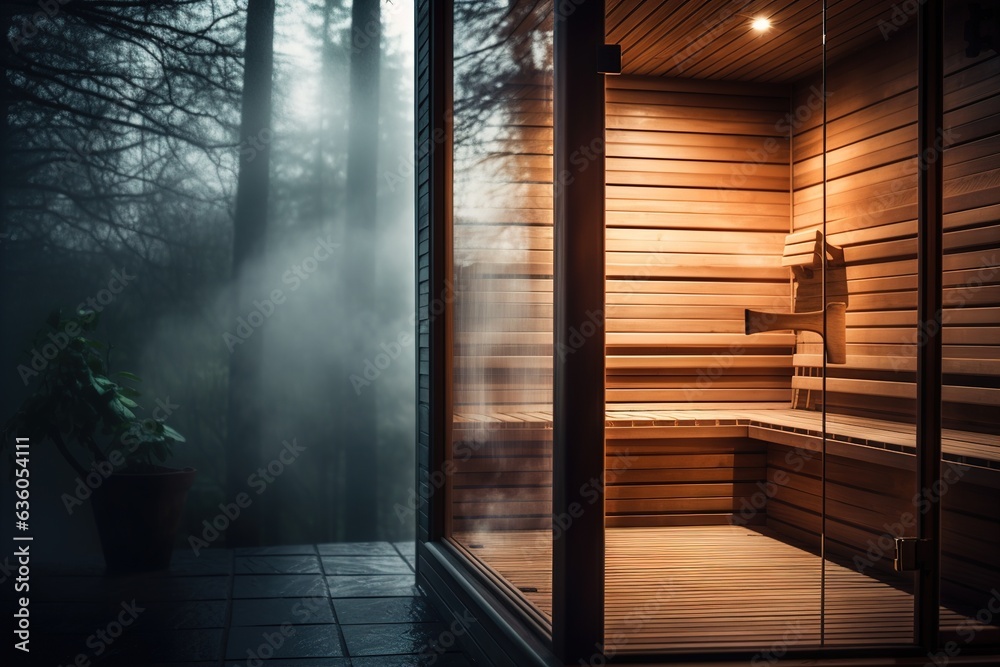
(761,24)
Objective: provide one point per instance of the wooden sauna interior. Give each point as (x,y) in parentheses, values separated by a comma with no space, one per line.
(716,499)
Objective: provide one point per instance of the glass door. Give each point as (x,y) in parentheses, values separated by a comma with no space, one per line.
(857,174)
(499,468)
(714,473)
(969,489)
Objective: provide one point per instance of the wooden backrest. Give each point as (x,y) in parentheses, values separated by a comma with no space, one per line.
(697,213)
(871,211)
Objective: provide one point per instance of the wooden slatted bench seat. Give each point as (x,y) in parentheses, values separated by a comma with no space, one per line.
(746,465)
(869,489)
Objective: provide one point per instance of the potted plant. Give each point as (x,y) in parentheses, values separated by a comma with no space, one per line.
(77,406)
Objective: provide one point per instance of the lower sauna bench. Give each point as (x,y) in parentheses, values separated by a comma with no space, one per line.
(729,501)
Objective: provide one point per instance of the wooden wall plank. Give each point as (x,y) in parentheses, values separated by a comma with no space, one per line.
(871,212)
(697,209)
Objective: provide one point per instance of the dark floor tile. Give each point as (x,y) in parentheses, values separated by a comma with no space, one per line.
(301,641)
(175,646)
(442,660)
(86,617)
(412,561)
(78,565)
(206,561)
(357,549)
(56,649)
(285,550)
(356,611)
(70,617)
(406,548)
(132,648)
(367,565)
(279,586)
(277,565)
(373,585)
(178,588)
(185,615)
(71,589)
(393,639)
(302,662)
(276,611)
(143,587)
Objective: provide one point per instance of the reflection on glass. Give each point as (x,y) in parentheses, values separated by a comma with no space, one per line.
(870,218)
(501,489)
(970,484)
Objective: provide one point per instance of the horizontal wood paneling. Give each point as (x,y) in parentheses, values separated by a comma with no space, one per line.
(871,210)
(501,478)
(677,476)
(868,504)
(714,40)
(697,209)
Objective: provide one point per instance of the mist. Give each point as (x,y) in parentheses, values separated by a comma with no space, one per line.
(278,338)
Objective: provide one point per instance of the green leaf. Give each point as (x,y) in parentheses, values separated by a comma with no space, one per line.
(120,410)
(126,401)
(129,376)
(172,434)
(129,391)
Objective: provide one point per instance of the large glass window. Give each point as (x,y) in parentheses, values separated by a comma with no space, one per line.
(969,488)
(500,492)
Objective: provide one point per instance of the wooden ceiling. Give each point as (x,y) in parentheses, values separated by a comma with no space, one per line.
(713,39)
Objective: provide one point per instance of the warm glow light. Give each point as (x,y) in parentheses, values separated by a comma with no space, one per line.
(761,24)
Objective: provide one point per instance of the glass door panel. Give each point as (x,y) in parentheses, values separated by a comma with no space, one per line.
(713,474)
(970,486)
(868,178)
(499,473)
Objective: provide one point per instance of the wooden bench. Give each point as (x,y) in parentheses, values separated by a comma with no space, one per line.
(675,467)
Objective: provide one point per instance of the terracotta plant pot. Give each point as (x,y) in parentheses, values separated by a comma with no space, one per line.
(137,515)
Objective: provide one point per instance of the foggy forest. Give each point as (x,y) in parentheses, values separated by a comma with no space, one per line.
(224,189)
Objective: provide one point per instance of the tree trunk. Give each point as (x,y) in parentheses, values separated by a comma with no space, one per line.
(243,445)
(359,432)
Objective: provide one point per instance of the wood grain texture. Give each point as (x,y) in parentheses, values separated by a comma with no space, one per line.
(871,212)
(712,587)
(697,211)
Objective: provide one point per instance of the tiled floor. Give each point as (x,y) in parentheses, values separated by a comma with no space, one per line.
(327,605)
